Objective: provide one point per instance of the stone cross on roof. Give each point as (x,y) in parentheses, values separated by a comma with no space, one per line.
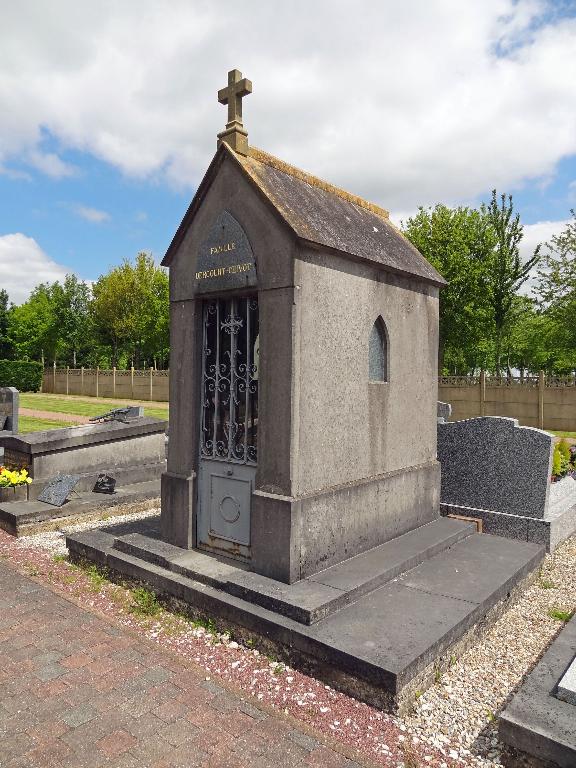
(235,135)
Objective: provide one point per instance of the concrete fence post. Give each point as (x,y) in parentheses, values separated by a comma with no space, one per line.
(482,385)
(54,377)
(97,374)
(132,382)
(541,382)
(151,382)
(67,380)
(114,381)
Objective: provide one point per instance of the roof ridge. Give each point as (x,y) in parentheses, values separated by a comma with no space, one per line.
(264,157)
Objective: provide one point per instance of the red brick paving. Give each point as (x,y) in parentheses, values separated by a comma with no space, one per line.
(77,692)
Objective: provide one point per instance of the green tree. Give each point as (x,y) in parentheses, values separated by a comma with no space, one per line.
(130,311)
(71,306)
(507,273)
(32,326)
(5,345)
(459,242)
(555,289)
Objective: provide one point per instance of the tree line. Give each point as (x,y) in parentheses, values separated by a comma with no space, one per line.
(120,320)
(486,321)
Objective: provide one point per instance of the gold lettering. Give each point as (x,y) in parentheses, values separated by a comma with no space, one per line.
(222,248)
(220,271)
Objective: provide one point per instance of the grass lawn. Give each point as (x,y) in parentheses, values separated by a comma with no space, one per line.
(562,434)
(83,407)
(32,424)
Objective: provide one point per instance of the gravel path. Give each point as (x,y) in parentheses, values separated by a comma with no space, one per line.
(454,723)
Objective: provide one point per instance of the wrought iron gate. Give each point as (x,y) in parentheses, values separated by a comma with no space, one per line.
(228,423)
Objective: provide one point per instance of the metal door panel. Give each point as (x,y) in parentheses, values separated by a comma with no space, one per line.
(229,424)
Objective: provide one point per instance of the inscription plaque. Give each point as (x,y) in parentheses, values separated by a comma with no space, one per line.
(225,259)
(56,491)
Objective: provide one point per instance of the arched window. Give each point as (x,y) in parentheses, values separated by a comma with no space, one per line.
(378,352)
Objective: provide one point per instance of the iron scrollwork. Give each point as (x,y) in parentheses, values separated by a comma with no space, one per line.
(229,422)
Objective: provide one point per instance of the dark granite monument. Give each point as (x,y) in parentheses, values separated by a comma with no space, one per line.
(499,472)
(301,499)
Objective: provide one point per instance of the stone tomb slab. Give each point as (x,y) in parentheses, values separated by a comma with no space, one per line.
(311,599)
(537,726)
(567,686)
(381,646)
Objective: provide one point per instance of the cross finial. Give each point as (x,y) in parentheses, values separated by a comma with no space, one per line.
(235,135)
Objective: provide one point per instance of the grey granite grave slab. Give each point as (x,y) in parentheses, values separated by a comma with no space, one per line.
(567,685)
(492,463)
(536,727)
(380,645)
(498,472)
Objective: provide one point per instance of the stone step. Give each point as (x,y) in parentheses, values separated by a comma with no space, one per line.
(381,647)
(311,599)
(26,517)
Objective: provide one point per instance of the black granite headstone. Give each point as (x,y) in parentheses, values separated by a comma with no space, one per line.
(104,484)
(57,490)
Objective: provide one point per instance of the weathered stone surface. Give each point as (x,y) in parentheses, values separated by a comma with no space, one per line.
(491,463)
(9,399)
(344,463)
(443,411)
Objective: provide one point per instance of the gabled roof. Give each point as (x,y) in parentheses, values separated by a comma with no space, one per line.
(320,214)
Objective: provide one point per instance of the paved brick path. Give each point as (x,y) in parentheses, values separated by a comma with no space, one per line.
(77,691)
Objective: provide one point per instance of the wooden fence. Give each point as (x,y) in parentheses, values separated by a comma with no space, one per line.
(96,382)
(536,401)
(539,401)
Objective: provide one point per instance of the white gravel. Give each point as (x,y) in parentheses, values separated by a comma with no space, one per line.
(462,709)
(459,713)
(55,541)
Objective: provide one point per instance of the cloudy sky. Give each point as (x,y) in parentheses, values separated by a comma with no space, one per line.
(108,112)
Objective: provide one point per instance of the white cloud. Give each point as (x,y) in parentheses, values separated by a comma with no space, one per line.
(93,215)
(14,173)
(405,103)
(23,265)
(50,164)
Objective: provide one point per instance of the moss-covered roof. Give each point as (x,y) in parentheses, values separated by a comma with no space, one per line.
(321,214)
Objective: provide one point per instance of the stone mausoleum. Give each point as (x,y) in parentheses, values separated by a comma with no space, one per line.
(301,497)
(303,370)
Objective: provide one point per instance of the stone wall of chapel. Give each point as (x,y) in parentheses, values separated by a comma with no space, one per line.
(346,427)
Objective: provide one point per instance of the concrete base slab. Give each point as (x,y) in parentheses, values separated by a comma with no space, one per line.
(381,646)
(317,596)
(23,518)
(537,727)
(551,531)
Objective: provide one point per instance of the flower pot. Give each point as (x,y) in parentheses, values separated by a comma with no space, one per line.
(14,493)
